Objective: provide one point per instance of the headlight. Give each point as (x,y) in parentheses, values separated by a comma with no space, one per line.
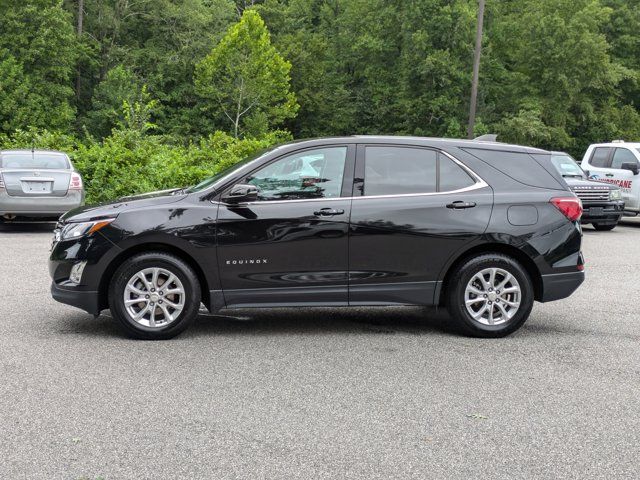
(615,194)
(77,230)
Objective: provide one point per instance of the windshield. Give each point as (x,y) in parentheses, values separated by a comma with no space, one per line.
(567,166)
(50,161)
(209,181)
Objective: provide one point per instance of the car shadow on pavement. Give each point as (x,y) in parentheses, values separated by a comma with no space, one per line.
(310,321)
(633,222)
(27,227)
(378,320)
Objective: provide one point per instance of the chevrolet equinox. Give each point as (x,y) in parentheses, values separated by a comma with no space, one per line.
(483,228)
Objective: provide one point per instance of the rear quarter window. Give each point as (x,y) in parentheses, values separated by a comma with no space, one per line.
(452,176)
(521,167)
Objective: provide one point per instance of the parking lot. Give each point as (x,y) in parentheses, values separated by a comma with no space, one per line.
(378,393)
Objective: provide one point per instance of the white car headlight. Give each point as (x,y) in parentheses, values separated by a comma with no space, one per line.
(615,194)
(77,230)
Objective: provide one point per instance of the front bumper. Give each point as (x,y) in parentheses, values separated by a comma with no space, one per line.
(98,252)
(69,294)
(556,286)
(603,213)
(40,206)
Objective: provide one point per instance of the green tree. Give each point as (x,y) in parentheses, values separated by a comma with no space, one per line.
(37,60)
(623,35)
(158,42)
(119,86)
(305,32)
(549,77)
(246,79)
(436,44)
(376,66)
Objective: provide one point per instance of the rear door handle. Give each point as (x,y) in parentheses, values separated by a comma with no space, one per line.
(460,205)
(328,212)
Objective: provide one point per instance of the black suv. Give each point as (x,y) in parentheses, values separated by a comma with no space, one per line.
(601,202)
(483,228)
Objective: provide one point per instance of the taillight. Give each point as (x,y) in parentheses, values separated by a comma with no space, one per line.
(1,181)
(570,207)
(76,182)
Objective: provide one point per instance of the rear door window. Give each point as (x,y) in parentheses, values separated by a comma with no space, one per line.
(399,170)
(391,170)
(600,156)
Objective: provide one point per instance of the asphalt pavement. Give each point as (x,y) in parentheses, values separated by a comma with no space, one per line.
(323,393)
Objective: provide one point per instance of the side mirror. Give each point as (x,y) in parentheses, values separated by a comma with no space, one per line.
(241,193)
(587,173)
(631,166)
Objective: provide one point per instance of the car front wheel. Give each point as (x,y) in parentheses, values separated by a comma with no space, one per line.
(604,228)
(154,296)
(490,295)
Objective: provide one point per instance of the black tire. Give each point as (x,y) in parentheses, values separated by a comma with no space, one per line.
(460,278)
(604,228)
(172,264)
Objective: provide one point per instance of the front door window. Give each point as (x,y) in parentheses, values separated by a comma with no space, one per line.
(310,174)
(620,156)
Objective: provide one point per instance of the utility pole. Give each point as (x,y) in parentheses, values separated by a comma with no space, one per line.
(79,32)
(476,70)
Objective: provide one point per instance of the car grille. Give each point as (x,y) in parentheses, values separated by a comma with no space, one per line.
(592,194)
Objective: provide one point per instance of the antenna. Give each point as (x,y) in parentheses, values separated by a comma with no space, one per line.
(489,137)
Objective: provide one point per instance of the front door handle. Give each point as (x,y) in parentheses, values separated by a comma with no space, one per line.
(458,205)
(328,212)
(609,174)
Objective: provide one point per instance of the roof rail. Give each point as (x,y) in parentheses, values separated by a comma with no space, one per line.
(489,137)
(617,141)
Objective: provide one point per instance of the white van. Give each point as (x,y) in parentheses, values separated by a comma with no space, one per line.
(617,162)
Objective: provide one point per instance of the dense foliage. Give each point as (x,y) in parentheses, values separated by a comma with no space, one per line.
(152,93)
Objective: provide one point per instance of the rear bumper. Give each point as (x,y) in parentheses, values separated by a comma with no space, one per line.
(69,295)
(560,285)
(40,206)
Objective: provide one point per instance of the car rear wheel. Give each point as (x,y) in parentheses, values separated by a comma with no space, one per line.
(604,228)
(490,295)
(154,296)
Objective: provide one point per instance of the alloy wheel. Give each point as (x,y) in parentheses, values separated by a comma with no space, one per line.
(492,296)
(154,297)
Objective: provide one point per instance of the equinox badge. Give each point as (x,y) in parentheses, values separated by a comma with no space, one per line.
(249,261)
